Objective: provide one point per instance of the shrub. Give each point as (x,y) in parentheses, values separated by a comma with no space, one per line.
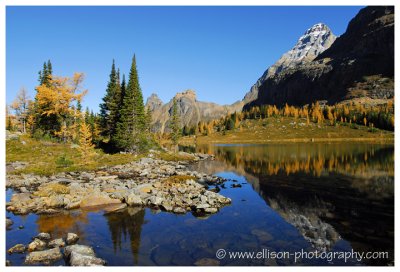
(354,126)
(63,161)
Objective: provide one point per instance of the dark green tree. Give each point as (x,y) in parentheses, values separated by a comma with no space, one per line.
(175,124)
(131,132)
(230,124)
(44,124)
(108,109)
(123,91)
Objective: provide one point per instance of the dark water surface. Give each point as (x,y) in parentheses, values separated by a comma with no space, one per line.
(293,198)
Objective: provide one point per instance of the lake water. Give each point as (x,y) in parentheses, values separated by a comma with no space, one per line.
(293,199)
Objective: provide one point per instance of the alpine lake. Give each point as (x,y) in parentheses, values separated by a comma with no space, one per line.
(298,197)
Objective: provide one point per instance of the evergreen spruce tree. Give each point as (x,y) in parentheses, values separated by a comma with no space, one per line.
(106,108)
(175,124)
(123,91)
(115,106)
(44,123)
(130,134)
(49,68)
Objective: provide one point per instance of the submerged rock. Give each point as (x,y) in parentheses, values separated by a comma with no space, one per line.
(45,256)
(9,223)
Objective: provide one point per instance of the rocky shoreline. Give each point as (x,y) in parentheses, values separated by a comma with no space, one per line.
(44,250)
(148,182)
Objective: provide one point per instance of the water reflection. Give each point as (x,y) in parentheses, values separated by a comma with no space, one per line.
(60,224)
(124,225)
(327,191)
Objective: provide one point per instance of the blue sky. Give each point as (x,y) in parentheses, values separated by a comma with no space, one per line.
(217,51)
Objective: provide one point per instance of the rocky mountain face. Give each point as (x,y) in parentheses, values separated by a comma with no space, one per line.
(153,102)
(313,42)
(190,109)
(360,63)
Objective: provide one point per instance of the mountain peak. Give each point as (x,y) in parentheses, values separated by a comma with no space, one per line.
(153,101)
(313,42)
(191,94)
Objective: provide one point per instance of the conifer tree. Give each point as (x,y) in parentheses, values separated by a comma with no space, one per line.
(175,124)
(107,107)
(123,91)
(115,105)
(44,123)
(85,142)
(131,128)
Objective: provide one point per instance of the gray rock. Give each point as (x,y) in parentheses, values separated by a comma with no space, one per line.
(37,245)
(45,256)
(166,205)
(134,200)
(44,236)
(65,181)
(202,206)
(262,235)
(211,210)
(23,190)
(179,210)
(81,249)
(155,200)
(78,259)
(54,201)
(73,205)
(57,243)
(72,238)
(22,197)
(18,248)
(114,208)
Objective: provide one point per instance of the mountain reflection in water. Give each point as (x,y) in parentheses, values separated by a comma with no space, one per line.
(327,191)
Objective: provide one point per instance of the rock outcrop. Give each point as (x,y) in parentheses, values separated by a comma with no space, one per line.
(313,42)
(191,110)
(363,54)
(48,254)
(149,182)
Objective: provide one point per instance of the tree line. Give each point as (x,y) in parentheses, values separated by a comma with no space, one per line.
(123,123)
(373,116)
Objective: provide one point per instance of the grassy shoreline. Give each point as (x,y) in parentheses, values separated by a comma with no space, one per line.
(43,157)
(290,130)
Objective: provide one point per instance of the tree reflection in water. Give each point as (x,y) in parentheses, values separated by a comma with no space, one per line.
(324,190)
(126,224)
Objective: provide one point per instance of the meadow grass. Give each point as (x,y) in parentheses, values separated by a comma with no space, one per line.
(289,129)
